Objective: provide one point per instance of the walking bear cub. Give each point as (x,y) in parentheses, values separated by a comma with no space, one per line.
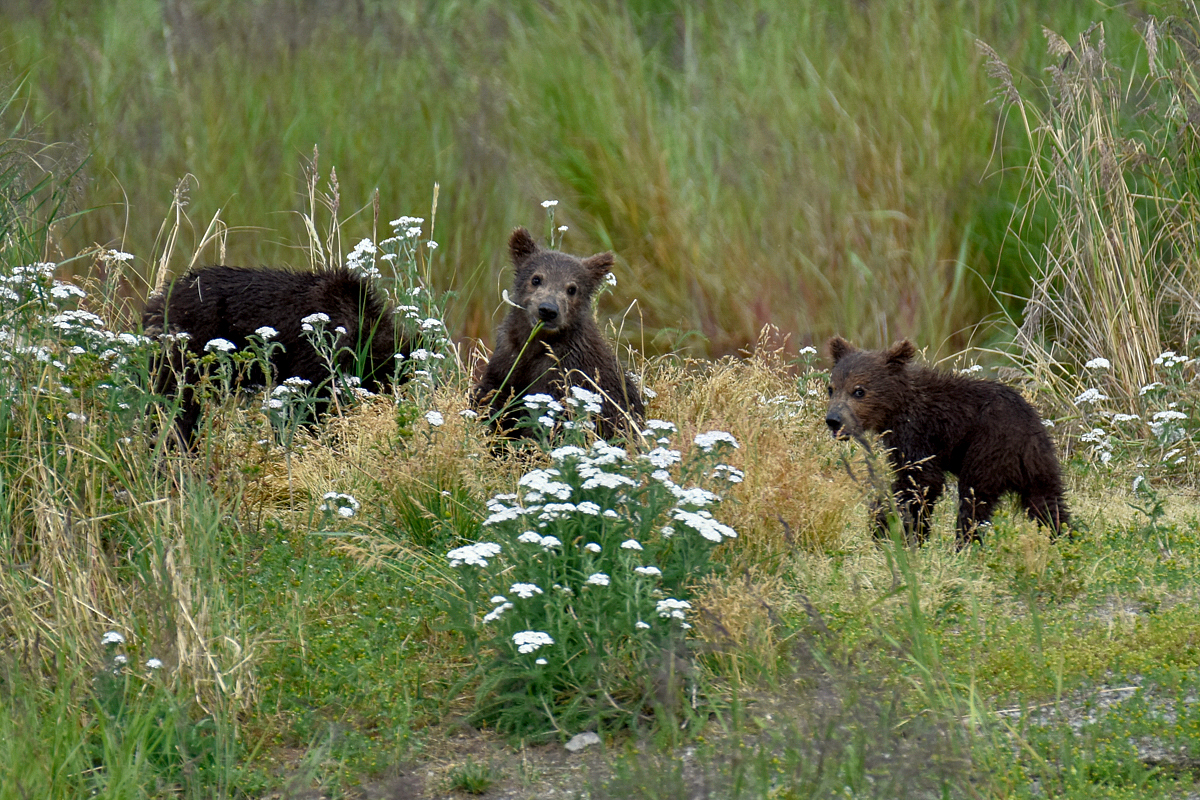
(233,302)
(934,422)
(550,342)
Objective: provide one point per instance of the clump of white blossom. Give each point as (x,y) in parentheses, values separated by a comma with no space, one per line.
(344,505)
(595,550)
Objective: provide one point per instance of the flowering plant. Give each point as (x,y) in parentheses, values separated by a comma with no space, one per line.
(584,579)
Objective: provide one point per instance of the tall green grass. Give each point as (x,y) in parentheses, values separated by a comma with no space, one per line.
(823,167)
(1108,214)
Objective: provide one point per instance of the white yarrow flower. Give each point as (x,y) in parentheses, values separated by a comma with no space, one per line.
(434,418)
(529,641)
(631,544)
(707,441)
(598,579)
(1098,363)
(1092,396)
(704,524)
(672,608)
(62,291)
(224,345)
(475,555)
(662,458)
(495,613)
(112,637)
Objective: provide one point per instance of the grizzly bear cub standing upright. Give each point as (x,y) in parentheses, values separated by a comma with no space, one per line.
(550,342)
(933,422)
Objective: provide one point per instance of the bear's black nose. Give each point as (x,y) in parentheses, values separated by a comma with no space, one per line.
(548,312)
(834,422)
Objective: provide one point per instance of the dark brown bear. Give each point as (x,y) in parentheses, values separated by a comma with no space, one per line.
(553,292)
(233,302)
(932,423)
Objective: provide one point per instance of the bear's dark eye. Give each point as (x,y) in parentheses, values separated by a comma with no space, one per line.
(536,280)
(860,392)
(571,290)
(830,387)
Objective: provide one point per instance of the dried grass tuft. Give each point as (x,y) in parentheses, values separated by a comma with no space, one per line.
(794,496)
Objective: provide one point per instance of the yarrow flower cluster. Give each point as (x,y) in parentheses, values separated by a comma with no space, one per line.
(707,441)
(361,260)
(596,551)
(309,323)
(219,345)
(1170,359)
(530,641)
(675,609)
(1166,426)
(344,505)
(1091,396)
(475,555)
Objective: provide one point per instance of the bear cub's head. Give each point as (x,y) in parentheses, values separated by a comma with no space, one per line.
(554,288)
(866,387)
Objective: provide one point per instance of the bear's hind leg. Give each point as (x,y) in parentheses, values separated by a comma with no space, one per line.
(1049,510)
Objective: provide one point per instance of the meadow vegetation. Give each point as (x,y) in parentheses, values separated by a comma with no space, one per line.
(822,167)
(393,602)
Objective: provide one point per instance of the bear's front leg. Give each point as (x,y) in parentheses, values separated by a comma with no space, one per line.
(975,507)
(914,492)
(916,489)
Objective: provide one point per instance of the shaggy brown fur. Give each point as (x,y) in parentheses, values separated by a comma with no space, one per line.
(554,289)
(232,302)
(934,422)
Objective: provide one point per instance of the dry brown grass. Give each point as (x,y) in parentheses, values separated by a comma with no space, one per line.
(76,514)
(794,495)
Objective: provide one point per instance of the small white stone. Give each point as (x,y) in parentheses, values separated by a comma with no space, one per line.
(582,740)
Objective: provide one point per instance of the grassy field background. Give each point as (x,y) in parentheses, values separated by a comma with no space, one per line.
(819,166)
(295,612)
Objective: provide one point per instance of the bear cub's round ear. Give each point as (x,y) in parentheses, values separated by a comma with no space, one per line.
(599,265)
(521,246)
(901,353)
(839,348)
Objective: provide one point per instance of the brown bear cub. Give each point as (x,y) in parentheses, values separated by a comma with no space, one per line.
(233,302)
(550,342)
(933,422)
